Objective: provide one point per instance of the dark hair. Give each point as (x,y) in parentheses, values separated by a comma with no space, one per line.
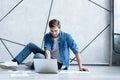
(54,23)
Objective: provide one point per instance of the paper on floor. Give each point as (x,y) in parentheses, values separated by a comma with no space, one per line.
(72,71)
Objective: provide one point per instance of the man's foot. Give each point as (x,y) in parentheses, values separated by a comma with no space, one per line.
(9,65)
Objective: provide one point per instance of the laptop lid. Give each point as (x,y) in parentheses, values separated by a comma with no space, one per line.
(46,65)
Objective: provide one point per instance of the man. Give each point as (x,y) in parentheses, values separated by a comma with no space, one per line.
(56,46)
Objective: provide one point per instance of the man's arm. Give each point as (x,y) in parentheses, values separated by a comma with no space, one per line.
(78,57)
(47,54)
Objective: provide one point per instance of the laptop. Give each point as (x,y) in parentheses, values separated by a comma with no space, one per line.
(46,65)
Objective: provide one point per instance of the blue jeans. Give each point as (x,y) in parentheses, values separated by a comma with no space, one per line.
(29,48)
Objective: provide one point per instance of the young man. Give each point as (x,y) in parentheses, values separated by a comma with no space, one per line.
(56,46)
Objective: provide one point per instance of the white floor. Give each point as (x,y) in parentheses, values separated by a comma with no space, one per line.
(95,73)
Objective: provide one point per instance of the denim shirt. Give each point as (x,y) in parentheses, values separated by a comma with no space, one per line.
(65,43)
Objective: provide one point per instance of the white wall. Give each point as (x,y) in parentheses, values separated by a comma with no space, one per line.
(81,18)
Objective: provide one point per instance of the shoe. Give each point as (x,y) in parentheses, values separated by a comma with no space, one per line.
(29,65)
(9,65)
(14,60)
(66,68)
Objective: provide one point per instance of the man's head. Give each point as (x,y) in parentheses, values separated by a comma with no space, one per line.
(55,27)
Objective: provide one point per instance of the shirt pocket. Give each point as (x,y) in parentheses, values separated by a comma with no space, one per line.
(63,45)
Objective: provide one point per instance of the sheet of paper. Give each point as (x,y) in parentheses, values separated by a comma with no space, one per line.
(73,71)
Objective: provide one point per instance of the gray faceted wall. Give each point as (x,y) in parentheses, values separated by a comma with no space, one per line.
(88,21)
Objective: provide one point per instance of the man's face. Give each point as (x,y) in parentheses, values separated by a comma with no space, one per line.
(55,31)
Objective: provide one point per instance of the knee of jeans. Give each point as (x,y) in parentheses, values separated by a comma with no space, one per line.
(29,44)
(38,55)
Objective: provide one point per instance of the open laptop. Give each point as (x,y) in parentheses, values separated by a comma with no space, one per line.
(46,65)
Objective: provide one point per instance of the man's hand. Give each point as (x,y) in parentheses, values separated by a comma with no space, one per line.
(78,57)
(84,69)
(47,54)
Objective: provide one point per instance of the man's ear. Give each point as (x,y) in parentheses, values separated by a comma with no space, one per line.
(59,27)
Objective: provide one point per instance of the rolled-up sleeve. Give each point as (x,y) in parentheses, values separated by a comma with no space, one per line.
(47,45)
(72,44)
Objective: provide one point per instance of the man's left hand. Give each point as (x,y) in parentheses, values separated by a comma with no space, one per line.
(84,69)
